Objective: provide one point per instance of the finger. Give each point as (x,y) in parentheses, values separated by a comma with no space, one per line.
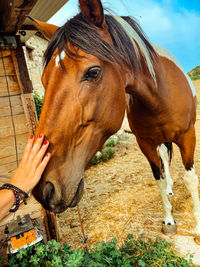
(28,148)
(42,166)
(36,147)
(39,156)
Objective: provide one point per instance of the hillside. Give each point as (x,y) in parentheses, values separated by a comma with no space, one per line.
(195,73)
(197,85)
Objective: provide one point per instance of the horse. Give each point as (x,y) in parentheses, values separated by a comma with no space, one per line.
(96,68)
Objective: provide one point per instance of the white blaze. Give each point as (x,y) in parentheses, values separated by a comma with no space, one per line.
(62,56)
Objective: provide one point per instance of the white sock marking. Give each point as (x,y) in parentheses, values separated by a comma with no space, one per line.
(191,181)
(62,56)
(162,150)
(168,218)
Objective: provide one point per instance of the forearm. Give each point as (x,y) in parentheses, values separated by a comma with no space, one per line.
(7,200)
(27,175)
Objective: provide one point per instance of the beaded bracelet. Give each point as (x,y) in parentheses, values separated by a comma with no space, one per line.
(16,192)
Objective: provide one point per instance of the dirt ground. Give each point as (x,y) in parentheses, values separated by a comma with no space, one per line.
(121,197)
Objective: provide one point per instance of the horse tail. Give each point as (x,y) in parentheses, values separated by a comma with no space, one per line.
(169,150)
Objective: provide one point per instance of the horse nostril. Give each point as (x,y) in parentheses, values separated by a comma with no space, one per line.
(48,191)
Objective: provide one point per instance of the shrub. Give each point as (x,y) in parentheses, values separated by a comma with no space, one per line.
(38,103)
(112,141)
(95,160)
(107,153)
(194,74)
(140,252)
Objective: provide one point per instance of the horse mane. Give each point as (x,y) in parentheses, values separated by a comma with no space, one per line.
(79,33)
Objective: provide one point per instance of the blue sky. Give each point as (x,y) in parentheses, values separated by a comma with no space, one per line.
(173,24)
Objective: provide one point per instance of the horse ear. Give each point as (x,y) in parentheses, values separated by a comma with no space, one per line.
(93,11)
(47,29)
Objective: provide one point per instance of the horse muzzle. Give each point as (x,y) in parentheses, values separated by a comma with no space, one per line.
(55,200)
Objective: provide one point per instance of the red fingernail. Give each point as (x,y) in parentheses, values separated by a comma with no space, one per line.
(40,136)
(48,154)
(31,136)
(46,142)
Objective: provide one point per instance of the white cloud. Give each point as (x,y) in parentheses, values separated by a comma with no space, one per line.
(173,28)
(69,10)
(160,20)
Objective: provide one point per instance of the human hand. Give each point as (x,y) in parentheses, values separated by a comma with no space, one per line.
(32,165)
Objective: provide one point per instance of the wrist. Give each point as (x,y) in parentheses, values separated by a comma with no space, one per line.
(17,191)
(10,195)
(16,195)
(21,187)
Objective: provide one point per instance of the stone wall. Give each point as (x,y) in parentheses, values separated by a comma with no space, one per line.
(34,50)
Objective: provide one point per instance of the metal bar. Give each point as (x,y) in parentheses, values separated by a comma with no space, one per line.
(11,109)
(8,42)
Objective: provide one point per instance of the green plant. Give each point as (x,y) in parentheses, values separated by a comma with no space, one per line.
(112,141)
(107,153)
(134,252)
(38,103)
(95,160)
(153,253)
(104,155)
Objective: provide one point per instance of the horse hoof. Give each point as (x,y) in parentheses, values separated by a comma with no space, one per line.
(169,229)
(171,194)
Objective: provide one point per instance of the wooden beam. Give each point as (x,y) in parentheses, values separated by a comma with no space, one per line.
(13,14)
(21,66)
(28,28)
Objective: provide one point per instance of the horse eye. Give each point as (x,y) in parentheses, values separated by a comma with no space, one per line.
(92,74)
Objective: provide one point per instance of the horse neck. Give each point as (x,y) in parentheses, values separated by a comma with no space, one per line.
(152,93)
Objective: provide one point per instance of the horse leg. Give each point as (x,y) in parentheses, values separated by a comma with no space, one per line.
(165,151)
(187,145)
(150,151)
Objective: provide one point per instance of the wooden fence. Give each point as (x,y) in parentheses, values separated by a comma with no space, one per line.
(18,120)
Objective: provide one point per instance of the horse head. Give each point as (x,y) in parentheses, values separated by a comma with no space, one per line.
(84,101)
